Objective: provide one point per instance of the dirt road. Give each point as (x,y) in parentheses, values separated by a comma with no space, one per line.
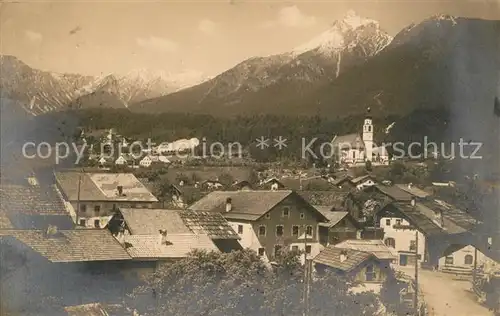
(446,296)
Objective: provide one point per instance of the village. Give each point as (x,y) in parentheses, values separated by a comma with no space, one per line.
(125,225)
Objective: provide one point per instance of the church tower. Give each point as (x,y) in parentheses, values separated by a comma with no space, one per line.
(368,136)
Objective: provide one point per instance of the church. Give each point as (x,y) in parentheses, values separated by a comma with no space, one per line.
(358,148)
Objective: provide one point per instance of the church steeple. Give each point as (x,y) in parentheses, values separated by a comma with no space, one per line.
(368,135)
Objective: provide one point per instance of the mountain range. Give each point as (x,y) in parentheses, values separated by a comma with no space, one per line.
(37,92)
(441,62)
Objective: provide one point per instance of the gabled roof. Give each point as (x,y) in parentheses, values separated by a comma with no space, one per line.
(375,247)
(361,179)
(354,141)
(413,190)
(333,199)
(103,187)
(394,192)
(151,221)
(333,217)
(245,205)
(26,199)
(330,256)
(79,245)
(177,246)
(426,217)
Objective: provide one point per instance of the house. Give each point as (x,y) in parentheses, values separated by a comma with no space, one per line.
(359,265)
(211,184)
(357,148)
(363,182)
(124,160)
(62,264)
(242,185)
(462,257)
(267,221)
(340,226)
(139,222)
(95,197)
(437,229)
(272,184)
(33,206)
(146,161)
(376,247)
(414,190)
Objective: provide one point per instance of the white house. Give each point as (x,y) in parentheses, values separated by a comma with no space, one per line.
(462,256)
(399,236)
(146,162)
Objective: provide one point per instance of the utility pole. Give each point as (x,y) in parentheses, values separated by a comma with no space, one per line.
(307,276)
(415,302)
(78,197)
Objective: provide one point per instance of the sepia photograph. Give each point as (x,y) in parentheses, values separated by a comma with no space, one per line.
(249,158)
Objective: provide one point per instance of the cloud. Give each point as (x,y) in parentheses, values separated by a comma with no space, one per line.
(207,26)
(158,43)
(33,36)
(291,16)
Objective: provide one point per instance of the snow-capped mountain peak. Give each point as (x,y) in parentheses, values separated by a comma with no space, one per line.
(353,21)
(345,33)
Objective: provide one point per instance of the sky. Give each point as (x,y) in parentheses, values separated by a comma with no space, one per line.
(189,37)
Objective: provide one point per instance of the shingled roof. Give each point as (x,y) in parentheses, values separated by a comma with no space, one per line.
(333,217)
(151,221)
(103,187)
(353,141)
(246,205)
(331,257)
(176,246)
(394,192)
(71,245)
(4,221)
(375,247)
(34,199)
(425,217)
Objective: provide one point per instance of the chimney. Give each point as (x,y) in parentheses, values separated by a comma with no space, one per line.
(413,202)
(51,231)
(441,218)
(120,190)
(229,205)
(163,234)
(343,256)
(410,185)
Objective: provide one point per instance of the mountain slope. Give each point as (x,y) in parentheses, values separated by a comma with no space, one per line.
(348,42)
(37,92)
(438,63)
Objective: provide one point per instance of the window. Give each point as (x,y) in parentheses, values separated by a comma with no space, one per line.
(388,222)
(302,215)
(413,245)
(468,259)
(448,260)
(295,230)
(262,230)
(279,230)
(97,209)
(277,250)
(286,212)
(97,223)
(240,229)
(295,248)
(309,230)
(308,249)
(83,207)
(390,242)
(398,222)
(354,155)
(370,273)
(261,252)
(82,222)
(268,215)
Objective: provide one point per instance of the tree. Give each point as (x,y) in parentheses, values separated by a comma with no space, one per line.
(239,283)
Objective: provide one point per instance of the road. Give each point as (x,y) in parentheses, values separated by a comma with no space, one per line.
(446,296)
